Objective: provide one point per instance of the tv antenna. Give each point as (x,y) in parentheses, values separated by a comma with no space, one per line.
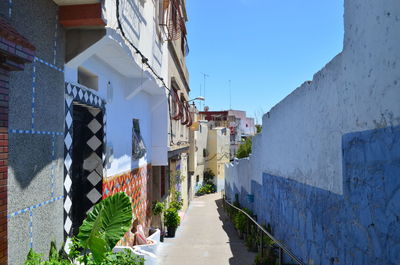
(205,76)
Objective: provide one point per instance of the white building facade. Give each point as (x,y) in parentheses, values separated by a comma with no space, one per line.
(121,63)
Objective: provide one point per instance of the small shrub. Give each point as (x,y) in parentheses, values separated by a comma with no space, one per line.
(251,242)
(125,257)
(240,221)
(206,189)
(208,177)
(176,204)
(33,258)
(244,149)
(158,208)
(259,128)
(208,186)
(171,218)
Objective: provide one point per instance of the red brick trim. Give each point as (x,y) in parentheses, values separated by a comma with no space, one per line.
(4,89)
(81,15)
(8,33)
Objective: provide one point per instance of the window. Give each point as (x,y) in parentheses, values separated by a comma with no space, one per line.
(138,147)
(87,78)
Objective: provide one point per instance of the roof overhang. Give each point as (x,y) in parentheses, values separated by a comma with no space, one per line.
(81,15)
(112,50)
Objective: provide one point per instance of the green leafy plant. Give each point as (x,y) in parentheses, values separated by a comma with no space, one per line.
(244,149)
(176,204)
(240,221)
(206,189)
(158,208)
(101,230)
(177,196)
(75,248)
(105,225)
(208,176)
(208,186)
(33,258)
(125,257)
(171,218)
(251,242)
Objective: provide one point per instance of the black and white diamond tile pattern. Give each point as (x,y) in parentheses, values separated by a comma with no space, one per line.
(94,163)
(79,95)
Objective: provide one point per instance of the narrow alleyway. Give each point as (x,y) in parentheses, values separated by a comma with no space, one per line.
(205,237)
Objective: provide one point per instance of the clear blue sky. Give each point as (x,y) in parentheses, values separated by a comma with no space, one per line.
(266,47)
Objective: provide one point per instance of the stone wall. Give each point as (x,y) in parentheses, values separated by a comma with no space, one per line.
(36,124)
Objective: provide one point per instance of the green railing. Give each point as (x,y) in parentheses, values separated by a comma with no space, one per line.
(267,245)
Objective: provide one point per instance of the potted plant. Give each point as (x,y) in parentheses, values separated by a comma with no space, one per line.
(171,221)
(158,208)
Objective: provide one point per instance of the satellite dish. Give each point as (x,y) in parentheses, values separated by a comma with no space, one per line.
(206,108)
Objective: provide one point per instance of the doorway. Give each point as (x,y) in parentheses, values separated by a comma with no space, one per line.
(87,164)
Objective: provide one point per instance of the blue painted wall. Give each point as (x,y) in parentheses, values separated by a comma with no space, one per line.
(361,226)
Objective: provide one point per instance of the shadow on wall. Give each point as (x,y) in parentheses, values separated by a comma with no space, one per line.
(131,20)
(33,155)
(362,226)
(240,254)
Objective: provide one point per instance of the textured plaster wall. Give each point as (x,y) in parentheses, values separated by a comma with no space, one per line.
(358,90)
(324,172)
(362,226)
(35,172)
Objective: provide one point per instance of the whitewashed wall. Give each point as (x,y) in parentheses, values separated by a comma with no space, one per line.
(140,21)
(358,90)
(136,93)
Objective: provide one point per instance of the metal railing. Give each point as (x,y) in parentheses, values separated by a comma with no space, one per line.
(282,249)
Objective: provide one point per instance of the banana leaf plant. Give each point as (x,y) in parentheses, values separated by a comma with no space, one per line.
(105,225)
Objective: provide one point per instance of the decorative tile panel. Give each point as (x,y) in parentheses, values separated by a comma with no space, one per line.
(74,94)
(135,185)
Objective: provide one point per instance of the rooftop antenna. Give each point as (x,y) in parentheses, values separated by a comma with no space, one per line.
(230,95)
(200,95)
(204,84)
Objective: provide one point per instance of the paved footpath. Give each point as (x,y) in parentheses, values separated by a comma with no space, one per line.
(206,237)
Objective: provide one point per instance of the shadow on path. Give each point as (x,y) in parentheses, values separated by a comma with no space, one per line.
(238,248)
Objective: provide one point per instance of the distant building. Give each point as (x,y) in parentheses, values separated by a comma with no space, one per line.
(239,125)
(198,151)
(218,154)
